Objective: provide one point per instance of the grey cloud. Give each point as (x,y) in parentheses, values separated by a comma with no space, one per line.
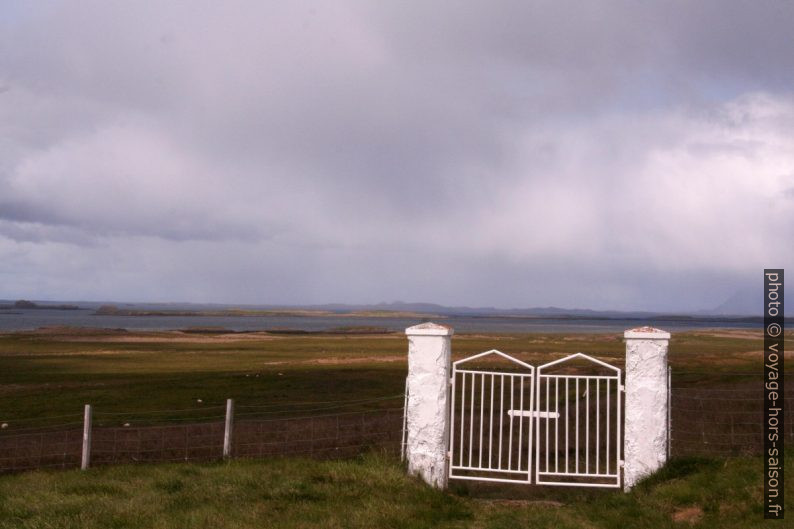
(39,233)
(478,153)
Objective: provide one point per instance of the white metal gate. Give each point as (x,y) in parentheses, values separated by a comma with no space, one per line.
(556,423)
(491,438)
(580,438)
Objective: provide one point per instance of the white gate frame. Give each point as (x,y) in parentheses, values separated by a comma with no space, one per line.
(457,468)
(644,424)
(521,476)
(576,476)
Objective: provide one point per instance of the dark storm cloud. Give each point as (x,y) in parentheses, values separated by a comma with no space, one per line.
(477,153)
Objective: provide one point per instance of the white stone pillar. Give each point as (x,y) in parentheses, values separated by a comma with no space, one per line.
(427,424)
(645,431)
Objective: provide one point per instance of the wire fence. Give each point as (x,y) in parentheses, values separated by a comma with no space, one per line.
(709,419)
(298,429)
(722,419)
(58,446)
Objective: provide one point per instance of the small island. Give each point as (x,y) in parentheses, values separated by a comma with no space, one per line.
(24,304)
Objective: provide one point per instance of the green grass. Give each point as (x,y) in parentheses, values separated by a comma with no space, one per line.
(46,374)
(371,492)
(173,371)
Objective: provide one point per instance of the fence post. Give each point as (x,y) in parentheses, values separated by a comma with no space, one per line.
(227,432)
(405,417)
(427,410)
(86,461)
(646,432)
(669,411)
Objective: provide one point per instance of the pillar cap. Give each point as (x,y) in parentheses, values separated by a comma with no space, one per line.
(646,333)
(429,329)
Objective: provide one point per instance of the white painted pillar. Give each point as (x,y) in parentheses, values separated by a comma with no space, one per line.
(645,432)
(427,410)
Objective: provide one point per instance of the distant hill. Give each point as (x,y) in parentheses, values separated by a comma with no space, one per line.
(28,305)
(432,308)
(745,302)
(531,312)
(743,305)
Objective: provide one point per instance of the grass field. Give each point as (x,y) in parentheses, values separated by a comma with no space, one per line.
(45,375)
(55,372)
(371,492)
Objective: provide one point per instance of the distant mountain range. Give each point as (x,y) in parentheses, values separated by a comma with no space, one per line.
(744,304)
(745,301)
(433,308)
(732,308)
(722,312)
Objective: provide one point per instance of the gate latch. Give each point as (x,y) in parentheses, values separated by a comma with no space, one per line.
(541,414)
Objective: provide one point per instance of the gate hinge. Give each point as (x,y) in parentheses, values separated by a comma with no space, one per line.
(621,463)
(452,381)
(622,388)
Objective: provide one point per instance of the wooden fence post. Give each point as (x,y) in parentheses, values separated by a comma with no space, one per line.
(86,461)
(227,433)
(669,411)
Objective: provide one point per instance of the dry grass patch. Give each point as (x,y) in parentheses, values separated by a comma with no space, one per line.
(690,515)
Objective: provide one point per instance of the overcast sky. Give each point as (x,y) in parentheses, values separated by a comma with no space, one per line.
(608,155)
